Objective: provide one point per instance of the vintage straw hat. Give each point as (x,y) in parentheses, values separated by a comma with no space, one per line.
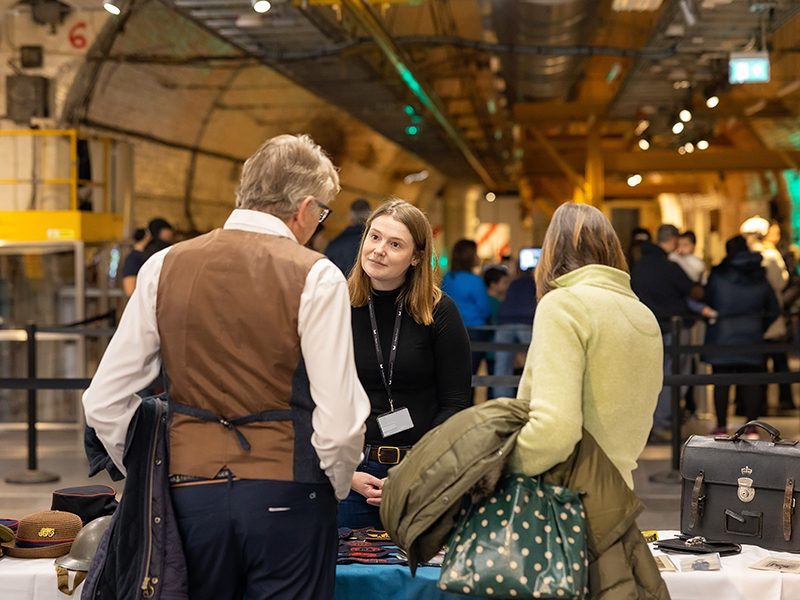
(47,534)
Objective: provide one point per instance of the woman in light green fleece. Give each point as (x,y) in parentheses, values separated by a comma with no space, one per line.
(596,356)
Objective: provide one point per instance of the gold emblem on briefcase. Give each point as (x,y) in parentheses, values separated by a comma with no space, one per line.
(746,492)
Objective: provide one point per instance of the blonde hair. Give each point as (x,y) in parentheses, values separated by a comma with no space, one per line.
(420,294)
(283,171)
(578,235)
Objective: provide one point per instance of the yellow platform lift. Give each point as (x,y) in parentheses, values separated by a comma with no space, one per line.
(64,222)
(46,211)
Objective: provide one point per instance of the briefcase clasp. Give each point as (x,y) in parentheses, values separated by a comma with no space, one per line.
(746,492)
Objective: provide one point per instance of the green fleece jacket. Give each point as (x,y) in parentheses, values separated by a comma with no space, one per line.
(596,362)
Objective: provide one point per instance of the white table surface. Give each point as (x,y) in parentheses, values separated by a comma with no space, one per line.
(31,579)
(35,579)
(735,580)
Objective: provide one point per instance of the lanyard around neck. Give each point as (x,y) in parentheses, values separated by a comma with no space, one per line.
(387,381)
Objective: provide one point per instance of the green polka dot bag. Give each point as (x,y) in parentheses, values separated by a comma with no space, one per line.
(526,540)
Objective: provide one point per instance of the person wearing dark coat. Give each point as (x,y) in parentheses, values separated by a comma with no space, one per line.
(343,249)
(738,289)
(665,289)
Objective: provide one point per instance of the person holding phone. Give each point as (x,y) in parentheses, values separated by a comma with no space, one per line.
(411,349)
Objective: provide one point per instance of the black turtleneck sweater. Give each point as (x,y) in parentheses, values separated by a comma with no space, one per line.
(432,370)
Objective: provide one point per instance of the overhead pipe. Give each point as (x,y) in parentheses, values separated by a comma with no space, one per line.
(364,16)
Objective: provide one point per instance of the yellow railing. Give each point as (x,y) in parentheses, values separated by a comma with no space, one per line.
(72,181)
(70,224)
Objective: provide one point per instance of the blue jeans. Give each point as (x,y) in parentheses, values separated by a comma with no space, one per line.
(353,511)
(504,361)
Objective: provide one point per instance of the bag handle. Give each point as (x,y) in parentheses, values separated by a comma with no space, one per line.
(774,433)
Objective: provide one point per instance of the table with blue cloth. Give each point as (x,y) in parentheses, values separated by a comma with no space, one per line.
(388,582)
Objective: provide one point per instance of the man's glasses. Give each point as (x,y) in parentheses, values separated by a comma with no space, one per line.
(325,210)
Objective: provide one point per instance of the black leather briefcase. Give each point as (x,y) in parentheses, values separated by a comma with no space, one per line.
(742,491)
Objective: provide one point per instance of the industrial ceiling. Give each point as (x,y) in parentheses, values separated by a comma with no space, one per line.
(497,91)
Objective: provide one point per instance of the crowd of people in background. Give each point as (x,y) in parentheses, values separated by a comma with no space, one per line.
(743,300)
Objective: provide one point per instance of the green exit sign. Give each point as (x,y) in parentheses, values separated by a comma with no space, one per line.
(748,67)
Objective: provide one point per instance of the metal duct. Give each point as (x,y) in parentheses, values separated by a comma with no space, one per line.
(542,23)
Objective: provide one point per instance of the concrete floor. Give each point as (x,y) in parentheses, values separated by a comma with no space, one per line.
(60,452)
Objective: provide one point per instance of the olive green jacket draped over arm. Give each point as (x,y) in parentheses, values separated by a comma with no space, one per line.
(422,496)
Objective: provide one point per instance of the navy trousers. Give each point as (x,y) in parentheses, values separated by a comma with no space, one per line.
(258,539)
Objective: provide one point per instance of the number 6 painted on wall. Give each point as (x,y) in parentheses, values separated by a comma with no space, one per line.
(76,37)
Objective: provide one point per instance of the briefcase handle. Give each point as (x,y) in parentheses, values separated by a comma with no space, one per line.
(774,433)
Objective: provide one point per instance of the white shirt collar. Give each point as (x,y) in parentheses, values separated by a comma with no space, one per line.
(258,222)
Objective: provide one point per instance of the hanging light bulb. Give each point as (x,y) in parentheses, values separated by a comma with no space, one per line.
(677,127)
(261,6)
(685,115)
(702,145)
(644,144)
(689,147)
(634,180)
(711,95)
(681,150)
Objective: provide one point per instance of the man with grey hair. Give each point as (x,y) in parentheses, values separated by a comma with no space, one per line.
(267,410)
(343,249)
(665,289)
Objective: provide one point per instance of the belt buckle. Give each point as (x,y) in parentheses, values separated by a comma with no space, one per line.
(388,462)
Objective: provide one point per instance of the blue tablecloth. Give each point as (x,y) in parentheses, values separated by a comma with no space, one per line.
(388,582)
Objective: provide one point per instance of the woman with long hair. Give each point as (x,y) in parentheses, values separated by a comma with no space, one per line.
(411,349)
(595,361)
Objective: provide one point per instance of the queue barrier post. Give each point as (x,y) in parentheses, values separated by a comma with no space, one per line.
(32,474)
(674,475)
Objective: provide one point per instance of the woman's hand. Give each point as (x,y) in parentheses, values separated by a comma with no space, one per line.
(368,486)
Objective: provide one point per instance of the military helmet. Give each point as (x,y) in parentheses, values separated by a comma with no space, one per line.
(85,545)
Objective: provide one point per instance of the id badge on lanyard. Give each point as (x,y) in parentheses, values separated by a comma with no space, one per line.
(396,420)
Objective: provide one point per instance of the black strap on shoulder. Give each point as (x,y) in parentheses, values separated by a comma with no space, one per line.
(232,423)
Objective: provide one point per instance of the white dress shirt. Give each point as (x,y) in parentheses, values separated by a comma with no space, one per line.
(132,361)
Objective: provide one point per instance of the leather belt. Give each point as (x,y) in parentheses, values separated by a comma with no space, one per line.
(387,455)
(697,501)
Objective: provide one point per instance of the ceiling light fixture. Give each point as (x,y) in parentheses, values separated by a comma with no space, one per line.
(677,127)
(643,143)
(702,144)
(416,177)
(261,6)
(681,150)
(685,115)
(634,180)
(491,196)
(689,147)
(111,7)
